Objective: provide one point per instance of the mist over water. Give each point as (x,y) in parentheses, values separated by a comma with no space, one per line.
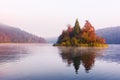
(46,62)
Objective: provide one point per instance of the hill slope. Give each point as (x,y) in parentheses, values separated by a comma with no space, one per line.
(52,40)
(112,34)
(10,34)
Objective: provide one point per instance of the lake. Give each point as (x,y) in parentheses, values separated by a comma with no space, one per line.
(46,62)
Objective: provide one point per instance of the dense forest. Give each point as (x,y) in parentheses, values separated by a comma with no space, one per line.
(10,34)
(77,36)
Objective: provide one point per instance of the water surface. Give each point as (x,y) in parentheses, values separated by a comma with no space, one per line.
(46,62)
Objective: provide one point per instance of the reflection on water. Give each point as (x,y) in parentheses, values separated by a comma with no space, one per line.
(9,53)
(112,54)
(43,62)
(80,56)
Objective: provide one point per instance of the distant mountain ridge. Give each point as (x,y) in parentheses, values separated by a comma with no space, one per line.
(9,34)
(52,40)
(111,34)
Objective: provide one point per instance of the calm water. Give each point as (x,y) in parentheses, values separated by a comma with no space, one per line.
(45,62)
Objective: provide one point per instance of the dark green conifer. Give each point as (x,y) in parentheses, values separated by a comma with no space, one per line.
(77,28)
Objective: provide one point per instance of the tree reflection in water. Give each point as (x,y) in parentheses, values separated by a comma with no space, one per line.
(80,56)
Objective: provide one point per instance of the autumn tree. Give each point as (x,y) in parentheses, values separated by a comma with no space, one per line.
(80,37)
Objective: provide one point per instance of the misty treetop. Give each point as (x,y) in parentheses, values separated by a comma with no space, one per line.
(77,36)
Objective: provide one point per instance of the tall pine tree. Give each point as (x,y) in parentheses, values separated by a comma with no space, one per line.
(77,28)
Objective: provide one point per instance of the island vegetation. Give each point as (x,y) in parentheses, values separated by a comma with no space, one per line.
(80,37)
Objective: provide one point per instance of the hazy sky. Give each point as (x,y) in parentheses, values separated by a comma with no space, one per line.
(47,18)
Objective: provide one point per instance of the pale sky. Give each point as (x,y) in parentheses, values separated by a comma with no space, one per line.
(47,18)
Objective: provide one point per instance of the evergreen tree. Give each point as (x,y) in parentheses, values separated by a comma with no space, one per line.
(77,28)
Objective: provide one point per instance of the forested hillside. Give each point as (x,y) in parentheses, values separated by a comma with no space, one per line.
(10,34)
(111,34)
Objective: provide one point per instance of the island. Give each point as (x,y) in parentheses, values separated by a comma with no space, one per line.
(80,37)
